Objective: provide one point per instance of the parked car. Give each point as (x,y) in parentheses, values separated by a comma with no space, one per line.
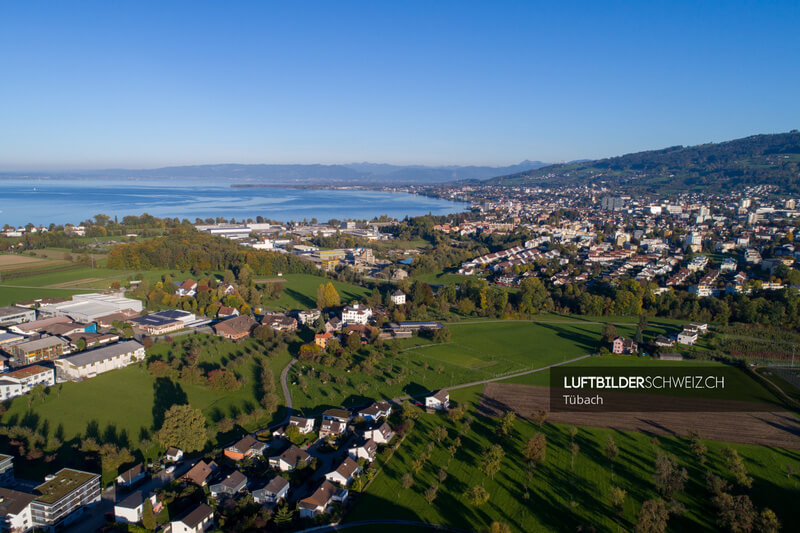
(170,469)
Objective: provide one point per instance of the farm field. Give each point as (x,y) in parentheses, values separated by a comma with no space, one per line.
(776,428)
(300,292)
(127,400)
(560,496)
(477,350)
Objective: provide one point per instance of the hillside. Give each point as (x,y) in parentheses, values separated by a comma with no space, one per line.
(760,159)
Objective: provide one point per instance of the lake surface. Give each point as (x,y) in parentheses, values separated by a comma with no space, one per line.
(42,202)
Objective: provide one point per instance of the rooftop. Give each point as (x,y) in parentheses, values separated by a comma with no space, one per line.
(13,502)
(65,481)
(101,354)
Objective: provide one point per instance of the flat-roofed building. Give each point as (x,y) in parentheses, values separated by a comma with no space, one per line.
(27,328)
(6,468)
(88,364)
(156,325)
(21,381)
(12,314)
(27,352)
(60,499)
(7,339)
(15,511)
(90,307)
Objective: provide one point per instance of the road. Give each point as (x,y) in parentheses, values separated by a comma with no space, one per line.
(286,394)
(362,523)
(94,517)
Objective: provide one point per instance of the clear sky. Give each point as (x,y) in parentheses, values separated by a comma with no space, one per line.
(143,84)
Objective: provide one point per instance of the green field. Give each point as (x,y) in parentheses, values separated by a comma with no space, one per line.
(560,498)
(128,399)
(477,350)
(441,278)
(300,292)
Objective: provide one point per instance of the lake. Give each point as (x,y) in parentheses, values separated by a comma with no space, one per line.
(42,201)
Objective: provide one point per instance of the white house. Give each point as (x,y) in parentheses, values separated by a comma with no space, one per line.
(305,425)
(19,382)
(398,298)
(131,509)
(198,520)
(88,364)
(344,474)
(376,411)
(381,434)
(230,486)
(273,492)
(687,337)
(439,401)
(15,510)
(173,454)
(131,476)
(287,461)
(356,314)
(366,449)
(318,502)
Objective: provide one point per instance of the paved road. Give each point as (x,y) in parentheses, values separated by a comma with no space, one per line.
(409,523)
(94,517)
(286,393)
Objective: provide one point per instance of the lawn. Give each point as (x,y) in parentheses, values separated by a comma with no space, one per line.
(477,350)
(440,278)
(561,497)
(300,292)
(127,400)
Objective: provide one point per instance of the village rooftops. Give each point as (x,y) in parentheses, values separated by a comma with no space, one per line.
(275,485)
(65,481)
(200,472)
(197,515)
(13,502)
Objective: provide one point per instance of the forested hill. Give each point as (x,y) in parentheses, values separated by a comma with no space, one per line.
(760,159)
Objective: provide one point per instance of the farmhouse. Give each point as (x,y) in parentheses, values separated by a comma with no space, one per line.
(272,492)
(21,381)
(88,364)
(439,401)
(236,328)
(247,447)
(344,473)
(198,520)
(287,461)
(621,345)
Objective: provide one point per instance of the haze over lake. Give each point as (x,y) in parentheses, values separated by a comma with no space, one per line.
(72,201)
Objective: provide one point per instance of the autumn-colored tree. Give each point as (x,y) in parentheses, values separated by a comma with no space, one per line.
(184,427)
(536,448)
(653,517)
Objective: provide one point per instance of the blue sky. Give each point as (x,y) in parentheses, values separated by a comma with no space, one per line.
(142,84)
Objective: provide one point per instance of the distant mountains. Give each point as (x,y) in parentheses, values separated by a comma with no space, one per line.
(757,160)
(308,175)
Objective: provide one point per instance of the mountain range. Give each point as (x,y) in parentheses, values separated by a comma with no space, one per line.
(306,175)
(772,159)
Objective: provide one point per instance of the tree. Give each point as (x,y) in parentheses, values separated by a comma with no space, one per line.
(407,480)
(536,448)
(184,427)
(430,494)
(476,496)
(506,424)
(669,477)
(293,434)
(439,434)
(735,513)
(609,333)
(492,460)
(652,517)
(612,452)
(327,296)
(767,522)
(499,527)
(148,516)
(616,496)
(283,517)
(736,465)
